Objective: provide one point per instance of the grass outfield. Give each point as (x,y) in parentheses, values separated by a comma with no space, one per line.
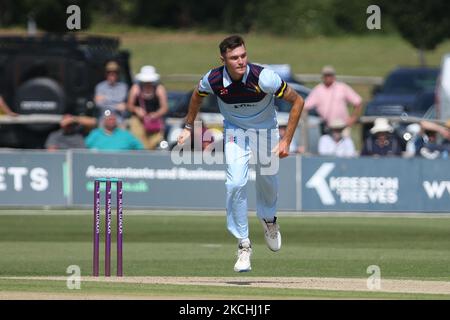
(164,244)
(368,55)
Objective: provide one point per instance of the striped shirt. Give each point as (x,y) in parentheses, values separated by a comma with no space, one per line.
(248,103)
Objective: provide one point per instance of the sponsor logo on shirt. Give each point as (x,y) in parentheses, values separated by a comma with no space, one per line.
(244,105)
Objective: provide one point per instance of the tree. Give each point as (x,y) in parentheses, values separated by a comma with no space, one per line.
(50,15)
(424,24)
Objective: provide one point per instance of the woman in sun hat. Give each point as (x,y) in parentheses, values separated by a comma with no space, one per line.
(148,103)
(382,142)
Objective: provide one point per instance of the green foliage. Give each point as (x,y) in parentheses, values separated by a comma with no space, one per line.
(113,11)
(424,24)
(294,17)
(11,12)
(350,15)
(50,15)
(233,16)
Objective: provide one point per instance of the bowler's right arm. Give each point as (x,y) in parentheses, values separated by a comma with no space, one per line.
(194,107)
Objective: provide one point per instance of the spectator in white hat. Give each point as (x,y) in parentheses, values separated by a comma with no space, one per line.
(335,143)
(382,142)
(148,103)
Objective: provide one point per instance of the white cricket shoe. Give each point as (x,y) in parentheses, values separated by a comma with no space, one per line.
(243,261)
(272,234)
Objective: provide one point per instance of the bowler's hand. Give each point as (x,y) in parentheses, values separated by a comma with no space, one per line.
(282,149)
(184,136)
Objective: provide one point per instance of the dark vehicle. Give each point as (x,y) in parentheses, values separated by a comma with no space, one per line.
(54,75)
(398,95)
(406,92)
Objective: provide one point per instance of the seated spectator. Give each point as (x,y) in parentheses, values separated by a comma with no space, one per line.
(412,145)
(71,134)
(444,131)
(334,143)
(111,94)
(5,109)
(382,142)
(148,103)
(428,145)
(109,137)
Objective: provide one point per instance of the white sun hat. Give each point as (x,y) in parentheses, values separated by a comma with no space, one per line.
(381,125)
(147,74)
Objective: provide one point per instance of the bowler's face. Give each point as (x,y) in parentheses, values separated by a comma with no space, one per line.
(236,62)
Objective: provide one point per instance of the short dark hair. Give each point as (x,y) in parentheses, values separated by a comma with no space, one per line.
(231,42)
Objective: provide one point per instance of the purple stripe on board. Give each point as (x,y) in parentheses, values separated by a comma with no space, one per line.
(119,229)
(108,229)
(96,241)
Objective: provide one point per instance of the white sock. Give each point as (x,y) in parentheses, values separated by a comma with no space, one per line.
(244,240)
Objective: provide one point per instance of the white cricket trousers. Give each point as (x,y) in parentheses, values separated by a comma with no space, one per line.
(239,154)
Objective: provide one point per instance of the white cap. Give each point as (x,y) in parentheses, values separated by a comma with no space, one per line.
(148,74)
(381,125)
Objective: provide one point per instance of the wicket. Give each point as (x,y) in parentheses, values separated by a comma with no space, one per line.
(108,211)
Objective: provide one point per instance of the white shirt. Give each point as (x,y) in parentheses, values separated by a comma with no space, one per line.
(342,148)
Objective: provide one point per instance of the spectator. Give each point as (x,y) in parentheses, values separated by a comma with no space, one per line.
(330,99)
(109,137)
(413,144)
(111,93)
(334,143)
(428,145)
(71,133)
(5,109)
(444,131)
(148,103)
(381,142)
